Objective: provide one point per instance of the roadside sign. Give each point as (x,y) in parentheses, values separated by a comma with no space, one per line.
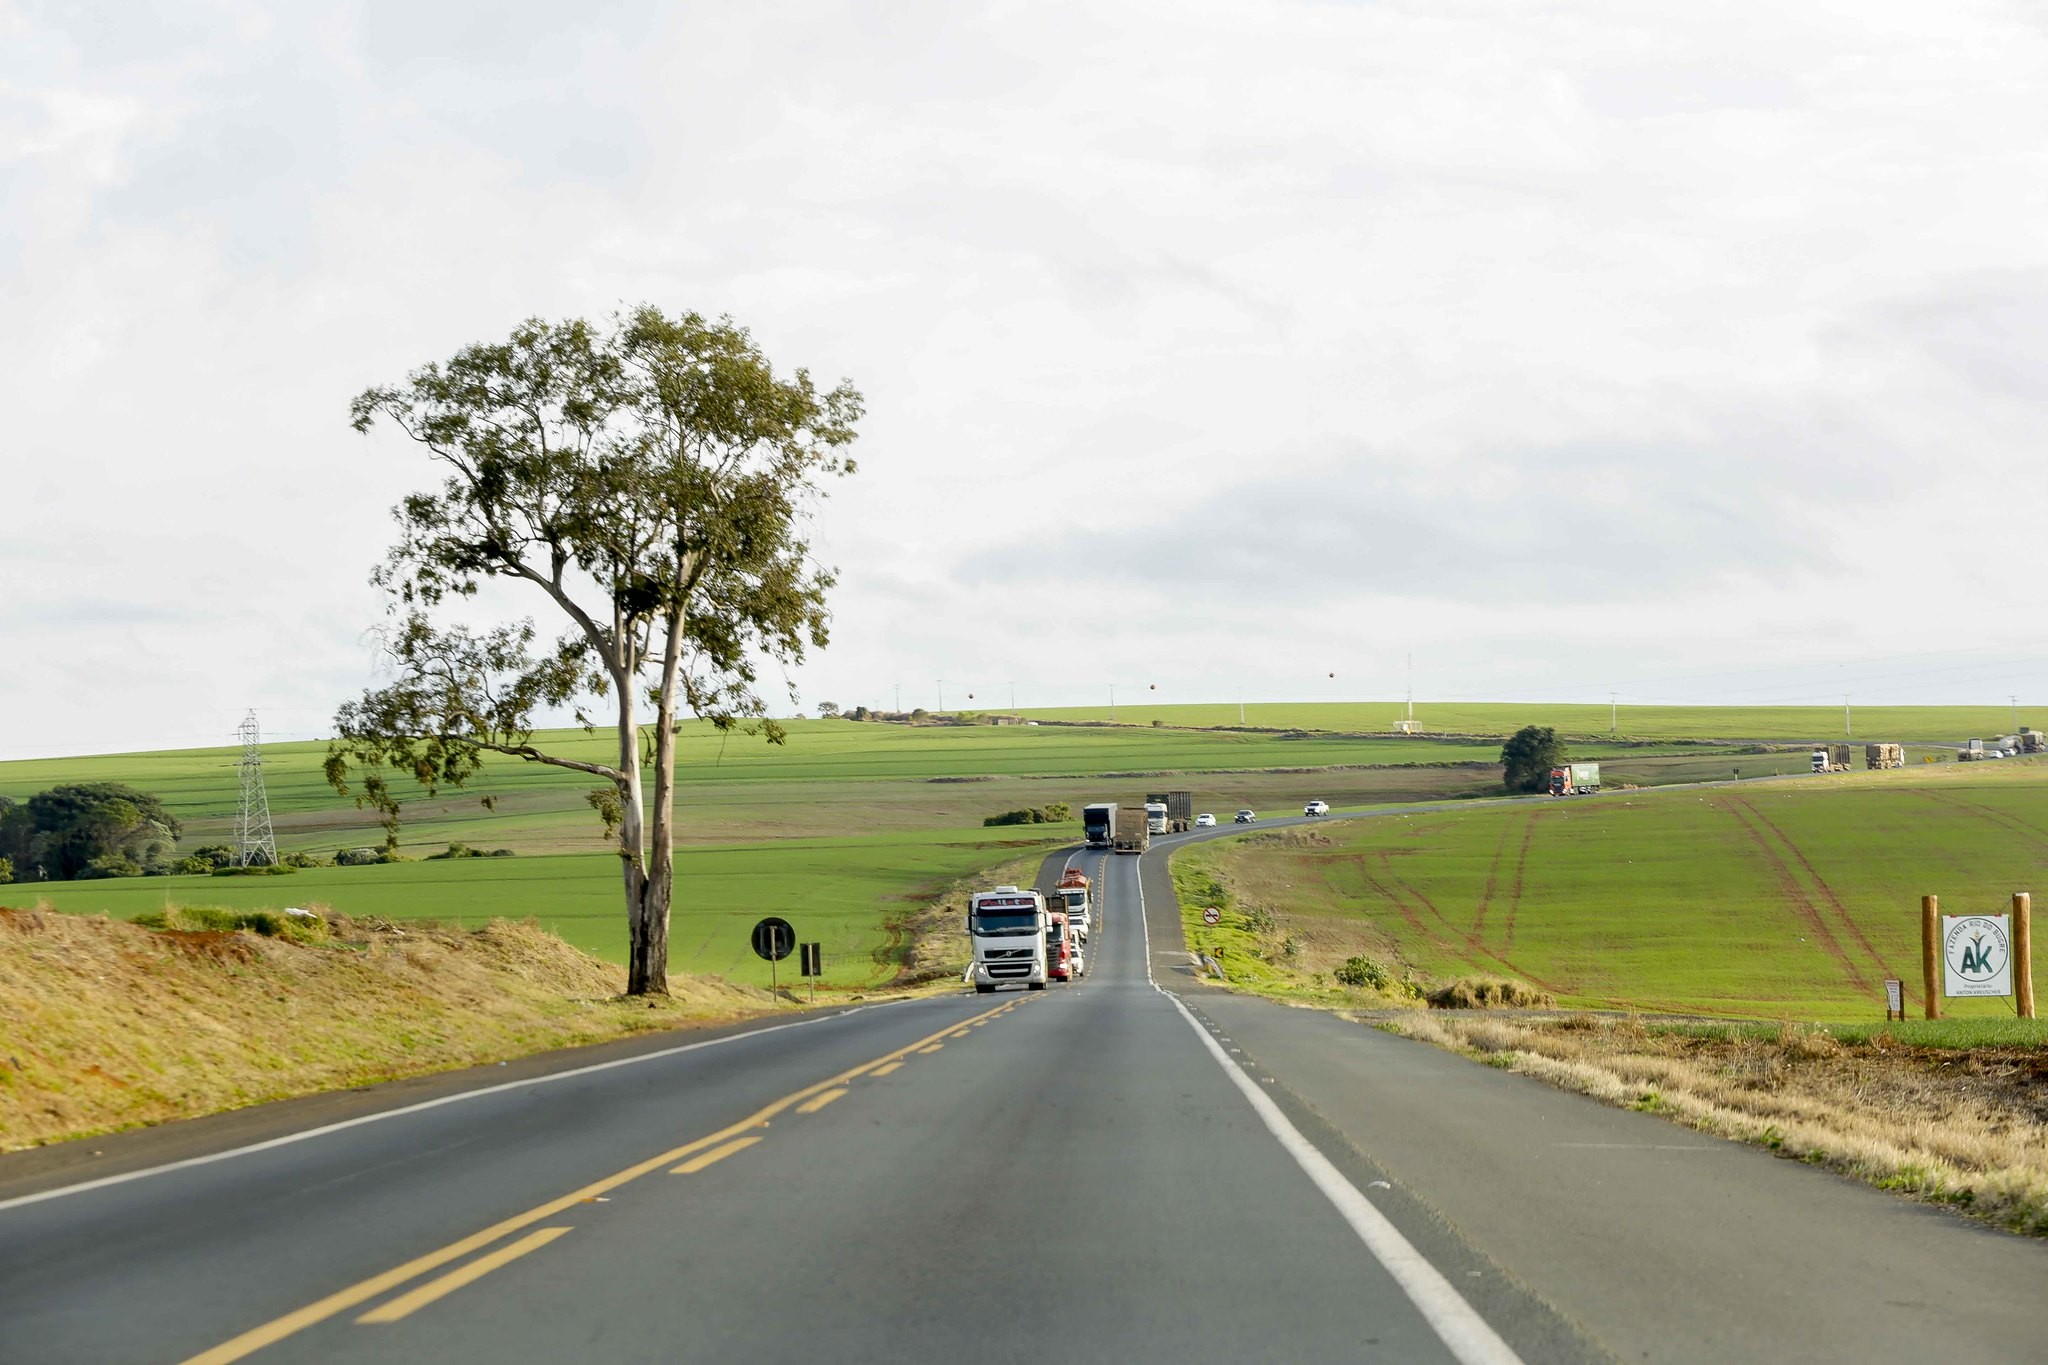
(1976,954)
(1894,998)
(1212,916)
(774,939)
(813,959)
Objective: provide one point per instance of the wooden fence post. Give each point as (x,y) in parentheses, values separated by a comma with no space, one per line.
(2023,953)
(1930,952)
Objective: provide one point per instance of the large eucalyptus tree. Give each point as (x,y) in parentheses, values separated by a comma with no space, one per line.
(650,479)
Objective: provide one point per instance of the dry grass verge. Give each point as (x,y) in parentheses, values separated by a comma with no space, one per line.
(107,1025)
(1969,1131)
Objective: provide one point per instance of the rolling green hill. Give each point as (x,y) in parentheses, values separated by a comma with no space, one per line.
(1784,899)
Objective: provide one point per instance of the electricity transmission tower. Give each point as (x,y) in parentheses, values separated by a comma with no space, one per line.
(254,844)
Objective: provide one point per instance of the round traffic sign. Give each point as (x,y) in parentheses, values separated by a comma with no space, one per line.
(774,939)
(1212,915)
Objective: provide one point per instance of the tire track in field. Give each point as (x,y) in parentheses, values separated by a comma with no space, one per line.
(1996,816)
(1827,892)
(1507,830)
(1793,892)
(1395,885)
(1515,888)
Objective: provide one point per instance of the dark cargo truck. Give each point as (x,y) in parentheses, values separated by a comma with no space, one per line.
(1180,810)
(1098,824)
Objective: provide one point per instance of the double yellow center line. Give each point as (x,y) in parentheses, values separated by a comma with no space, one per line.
(726,1139)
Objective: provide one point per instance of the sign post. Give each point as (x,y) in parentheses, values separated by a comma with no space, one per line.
(813,965)
(1894,999)
(774,939)
(2023,952)
(1930,953)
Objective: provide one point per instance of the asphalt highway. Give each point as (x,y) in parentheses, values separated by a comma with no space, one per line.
(1137,1167)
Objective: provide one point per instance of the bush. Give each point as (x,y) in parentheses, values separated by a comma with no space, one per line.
(1036,815)
(255,870)
(1486,992)
(191,865)
(296,858)
(110,865)
(365,857)
(459,850)
(1363,971)
(6,871)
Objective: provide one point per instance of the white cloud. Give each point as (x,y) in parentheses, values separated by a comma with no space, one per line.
(1571,335)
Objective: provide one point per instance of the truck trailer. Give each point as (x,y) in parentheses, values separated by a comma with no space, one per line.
(1008,927)
(1831,758)
(1133,832)
(1884,756)
(1075,894)
(1098,824)
(1179,811)
(1575,779)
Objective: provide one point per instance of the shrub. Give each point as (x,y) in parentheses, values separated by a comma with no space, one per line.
(6,871)
(360,857)
(1058,812)
(110,865)
(1363,971)
(191,865)
(255,870)
(299,858)
(1486,992)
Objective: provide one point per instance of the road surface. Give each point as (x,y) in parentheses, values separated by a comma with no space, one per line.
(1136,1168)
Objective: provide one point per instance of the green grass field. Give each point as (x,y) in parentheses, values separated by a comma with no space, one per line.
(852,823)
(838,892)
(1783,900)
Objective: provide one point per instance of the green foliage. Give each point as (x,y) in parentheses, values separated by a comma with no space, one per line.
(664,462)
(301,858)
(87,830)
(461,850)
(109,865)
(1035,815)
(256,870)
(1528,756)
(6,871)
(1362,972)
(1058,811)
(301,928)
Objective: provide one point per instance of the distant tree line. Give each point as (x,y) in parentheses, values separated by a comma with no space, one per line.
(89,829)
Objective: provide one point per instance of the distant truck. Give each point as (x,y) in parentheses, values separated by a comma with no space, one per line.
(1008,927)
(1180,811)
(1575,779)
(1972,750)
(1133,832)
(1062,949)
(1098,824)
(1075,894)
(2033,742)
(1155,817)
(1831,758)
(1884,756)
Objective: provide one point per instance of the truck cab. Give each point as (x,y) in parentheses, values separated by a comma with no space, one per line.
(1155,817)
(1009,928)
(1080,914)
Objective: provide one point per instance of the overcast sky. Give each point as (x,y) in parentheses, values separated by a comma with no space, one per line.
(1697,353)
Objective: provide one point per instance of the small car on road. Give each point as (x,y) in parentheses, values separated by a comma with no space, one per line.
(1246,817)
(1316,808)
(1204,820)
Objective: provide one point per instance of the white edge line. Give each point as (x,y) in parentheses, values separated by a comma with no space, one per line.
(1455,1321)
(306,1135)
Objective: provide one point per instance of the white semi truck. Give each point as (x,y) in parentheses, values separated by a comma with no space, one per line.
(1008,927)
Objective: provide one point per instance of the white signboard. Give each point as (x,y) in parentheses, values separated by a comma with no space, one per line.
(1976,955)
(1894,996)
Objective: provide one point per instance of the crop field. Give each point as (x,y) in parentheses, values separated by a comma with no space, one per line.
(1780,724)
(1783,900)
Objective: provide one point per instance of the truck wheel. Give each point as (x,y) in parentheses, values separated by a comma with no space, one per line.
(981,989)
(1035,985)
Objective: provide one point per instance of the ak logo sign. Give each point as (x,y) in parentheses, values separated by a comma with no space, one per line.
(1976,952)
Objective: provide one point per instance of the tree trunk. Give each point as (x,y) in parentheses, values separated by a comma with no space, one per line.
(661,851)
(646,907)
